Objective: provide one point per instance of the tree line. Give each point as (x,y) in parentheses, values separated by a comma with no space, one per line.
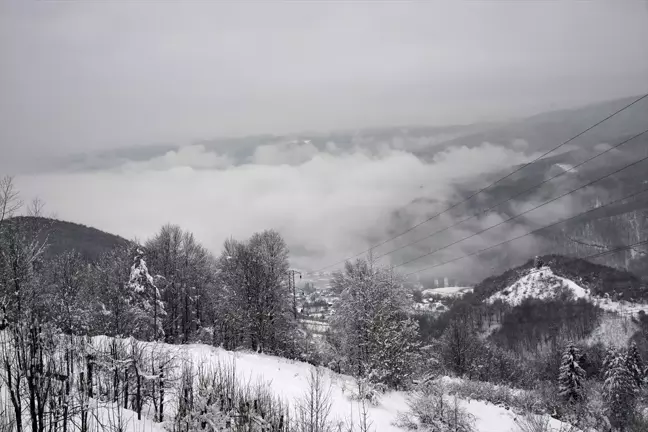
(171,289)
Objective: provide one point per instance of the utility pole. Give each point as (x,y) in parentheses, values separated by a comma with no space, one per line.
(292,286)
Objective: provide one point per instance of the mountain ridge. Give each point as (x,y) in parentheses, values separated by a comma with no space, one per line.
(62,236)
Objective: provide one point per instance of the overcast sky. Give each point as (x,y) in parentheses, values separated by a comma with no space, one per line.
(96,74)
(79,76)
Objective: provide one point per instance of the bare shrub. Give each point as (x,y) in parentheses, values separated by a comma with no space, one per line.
(431,410)
(212,398)
(312,412)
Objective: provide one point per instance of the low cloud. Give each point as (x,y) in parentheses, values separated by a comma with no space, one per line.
(191,156)
(291,153)
(328,205)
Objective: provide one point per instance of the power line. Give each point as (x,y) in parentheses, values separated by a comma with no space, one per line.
(529,233)
(521,214)
(491,184)
(526,211)
(513,197)
(626,247)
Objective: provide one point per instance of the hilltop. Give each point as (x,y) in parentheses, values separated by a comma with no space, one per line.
(599,280)
(63,236)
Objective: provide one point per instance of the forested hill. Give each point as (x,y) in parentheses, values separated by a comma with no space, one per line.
(63,236)
(599,279)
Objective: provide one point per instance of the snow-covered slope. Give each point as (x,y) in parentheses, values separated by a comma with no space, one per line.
(544,284)
(614,331)
(541,284)
(289,380)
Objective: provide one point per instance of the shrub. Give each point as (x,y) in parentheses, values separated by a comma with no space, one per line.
(430,410)
(313,410)
(497,395)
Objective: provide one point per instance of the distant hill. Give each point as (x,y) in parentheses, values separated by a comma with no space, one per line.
(611,227)
(63,236)
(600,280)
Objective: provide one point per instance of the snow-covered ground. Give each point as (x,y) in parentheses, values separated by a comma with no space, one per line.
(315,325)
(544,284)
(614,331)
(289,380)
(430,306)
(454,291)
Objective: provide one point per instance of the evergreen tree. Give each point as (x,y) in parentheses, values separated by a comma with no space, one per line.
(146,297)
(634,363)
(571,376)
(619,391)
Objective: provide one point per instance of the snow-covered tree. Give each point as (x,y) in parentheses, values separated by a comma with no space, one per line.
(146,297)
(255,302)
(619,390)
(635,364)
(370,324)
(69,298)
(113,313)
(460,346)
(184,272)
(572,375)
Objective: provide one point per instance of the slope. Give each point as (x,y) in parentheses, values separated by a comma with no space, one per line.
(62,236)
(598,280)
(544,284)
(289,380)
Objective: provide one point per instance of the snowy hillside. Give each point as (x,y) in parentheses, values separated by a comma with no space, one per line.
(289,380)
(544,284)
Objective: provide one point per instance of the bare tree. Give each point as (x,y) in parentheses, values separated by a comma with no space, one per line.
(10,201)
(255,308)
(35,207)
(313,411)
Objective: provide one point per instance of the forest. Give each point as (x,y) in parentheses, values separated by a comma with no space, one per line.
(76,330)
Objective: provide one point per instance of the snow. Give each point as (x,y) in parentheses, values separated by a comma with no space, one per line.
(566,167)
(543,284)
(288,379)
(614,331)
(315,326)
(454,291)
(491,418)
(139,271)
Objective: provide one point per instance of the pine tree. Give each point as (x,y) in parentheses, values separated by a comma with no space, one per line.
(619,390)
(635,365)
(146,297)
(571,376)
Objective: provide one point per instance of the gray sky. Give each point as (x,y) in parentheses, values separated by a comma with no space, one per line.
(96,74)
